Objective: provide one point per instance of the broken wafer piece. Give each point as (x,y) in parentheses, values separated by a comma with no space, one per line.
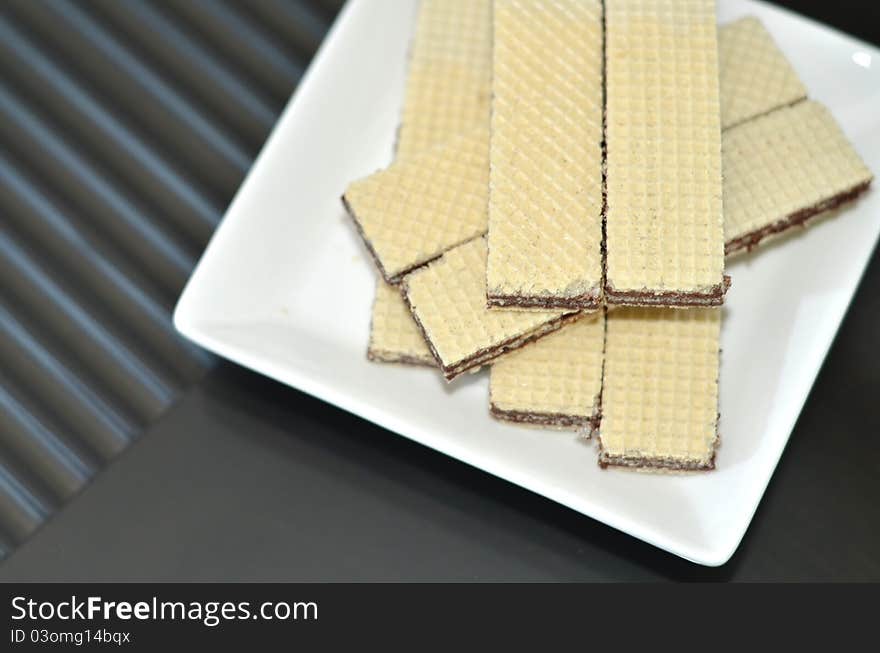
(784,168)
(554,382)
(447,92)
(434,195)
(394,337)
(448,301)
(664,233)
(413,211)
(545,184)
(755,77)
(447,86)
(660,389)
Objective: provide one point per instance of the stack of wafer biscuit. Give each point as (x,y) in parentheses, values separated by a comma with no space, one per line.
(570,177)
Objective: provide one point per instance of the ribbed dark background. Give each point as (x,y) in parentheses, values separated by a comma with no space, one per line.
(125,128)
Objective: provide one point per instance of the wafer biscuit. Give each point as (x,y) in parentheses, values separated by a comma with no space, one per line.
(394,337)
(413,211)
(447,92)
(545,188)
(553,382)
(660,388)
(447,87)
(746,52)
(770,101)
(664,233)
(567,344)
(448,300)
(427,203)
(784,168)
(758,186)
(767,182)
(754,75)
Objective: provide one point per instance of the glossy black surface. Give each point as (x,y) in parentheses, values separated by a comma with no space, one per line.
(125,129)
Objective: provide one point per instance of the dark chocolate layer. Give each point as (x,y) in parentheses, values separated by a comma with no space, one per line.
(670,464)
(558,420)
(714,297)
(483,356)
(590,300)
(402,359)
(797,219)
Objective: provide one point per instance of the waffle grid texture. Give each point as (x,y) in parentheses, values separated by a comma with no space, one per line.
(555,381)
(786,162)
(448,300)
(545,190)
(394,337)
(746,49)
(664,231)
(567,340)
(448,82)
(783,166)
(442,101)
(416,209)
(755,76)
(660,388)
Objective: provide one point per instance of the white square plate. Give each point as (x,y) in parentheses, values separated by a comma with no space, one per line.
(285,288)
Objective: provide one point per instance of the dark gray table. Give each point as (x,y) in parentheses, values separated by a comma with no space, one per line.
(244,479)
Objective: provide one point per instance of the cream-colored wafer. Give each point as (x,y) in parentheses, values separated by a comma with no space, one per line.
(553,382)
(425,204)
(752,175)
(664,233)
(545,188)
(792,162)
(755,76)
(782,169)
(447,87)
(394,336)
(767,181)
(770,102)
(660,388)
(418,208)
(415,210)
(448,300)
(447,92)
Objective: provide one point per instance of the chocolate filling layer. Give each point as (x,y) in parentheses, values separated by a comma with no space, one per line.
(672,464)
(714,297)
(403,359)
(589,300)
(483,356)
(798,218)
(558,420)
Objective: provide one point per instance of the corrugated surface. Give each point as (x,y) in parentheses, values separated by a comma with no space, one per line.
(125,128)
